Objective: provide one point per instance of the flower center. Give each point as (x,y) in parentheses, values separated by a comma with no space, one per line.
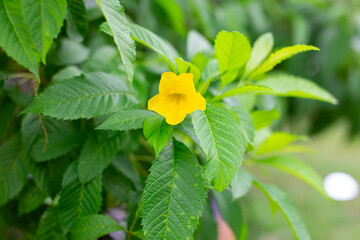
(177,98)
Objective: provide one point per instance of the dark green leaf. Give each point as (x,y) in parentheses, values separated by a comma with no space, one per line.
(157,132)
(94,226)
(174,195)
(77,24)
(49,226)
(30,198)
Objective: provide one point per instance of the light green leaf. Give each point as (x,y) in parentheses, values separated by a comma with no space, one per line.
(263,118)
(247,89)
(219,134)
(96,155)
(232,51)
(174,14)
(44,19)
(202,10)
(196,43)
(291,86)
(157,132)
(246,123)
(174,195)
(77,26)
(71,53)
(13,175)
(277,141)
(126,120)
(105,58)
(94,226)
(118,25)
(154,42)
(261,49)
(282,201)
(241,184)
(49,226)
(77,199)
(15,38)
(297,168)
(30,198)
(86,96)
(279,56)
(186,67)
(65,73)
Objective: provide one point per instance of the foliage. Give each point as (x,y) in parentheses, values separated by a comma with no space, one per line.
(78,140)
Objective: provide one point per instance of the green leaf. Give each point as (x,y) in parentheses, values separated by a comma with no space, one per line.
(241,184)
(207,229)
(118,25)
(279,56)
(174,195)
(297,168)
(157,132)
(59,143)
(44,19)
(65,73)
(248,89)
(7,113)
(77,26)
(15,38)
(277,141)
(124,165)
(13,175)
(77,199)
(186,67)
(263,118)
(154,42)
(246,123)
(96,155)
(71,53)
(126,120)
(291,86)
(30,198)
(196,43)
(49,226)
(232,51)
(116,183)
(282,201)
(174,14)
(261,49)
(94,226)
(105,58)
(86,96)
(219,134)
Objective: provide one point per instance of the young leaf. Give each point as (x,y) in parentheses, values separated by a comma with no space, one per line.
(49,226)
(94,226)
(297,168)
(277,141)
(261,49)
(175,14)
(118,25)
(44,19)
(77,26)
(96,155)
(157,132)
(220,137)
(65,73)
(30,198)
(282,201)
(291,86)
(174,195)
(263,118)
(126,120)
(13,175)
(154,42)
(241,184)
(186,67)
(15,38)
(232,51)
(77,199)
(248,89)
(86,96)
(279,56)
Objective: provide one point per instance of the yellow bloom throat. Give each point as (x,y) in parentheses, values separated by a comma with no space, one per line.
(177,97)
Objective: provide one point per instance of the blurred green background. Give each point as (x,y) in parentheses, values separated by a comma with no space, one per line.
(334,27)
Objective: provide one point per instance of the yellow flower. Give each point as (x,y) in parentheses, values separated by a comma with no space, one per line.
(177,97)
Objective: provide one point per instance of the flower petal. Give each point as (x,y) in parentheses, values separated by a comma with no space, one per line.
(175,117)
(194,102)
(170,83)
